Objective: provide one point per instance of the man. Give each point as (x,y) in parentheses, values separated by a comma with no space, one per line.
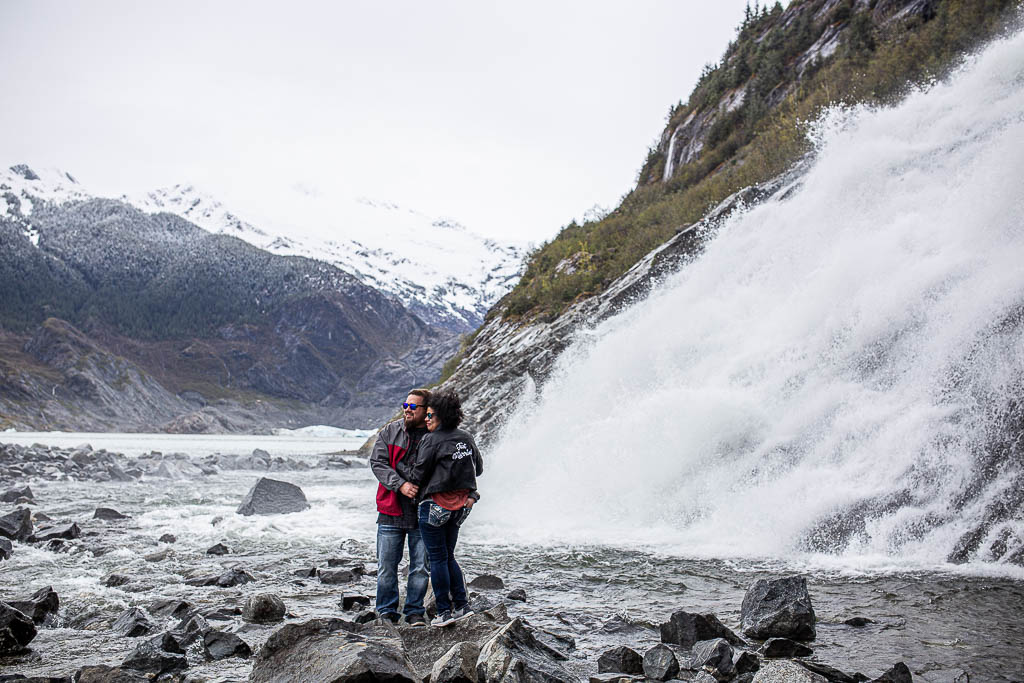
(397,516)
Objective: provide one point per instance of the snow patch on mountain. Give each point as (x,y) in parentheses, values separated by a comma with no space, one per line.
(436,267)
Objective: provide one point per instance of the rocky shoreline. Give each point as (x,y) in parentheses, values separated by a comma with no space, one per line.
(272,639)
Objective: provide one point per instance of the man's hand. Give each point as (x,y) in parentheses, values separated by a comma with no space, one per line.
(409,490)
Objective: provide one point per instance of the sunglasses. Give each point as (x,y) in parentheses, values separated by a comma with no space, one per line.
(430,416)
(411,406)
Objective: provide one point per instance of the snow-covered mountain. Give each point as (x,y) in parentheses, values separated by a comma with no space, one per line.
(435,267)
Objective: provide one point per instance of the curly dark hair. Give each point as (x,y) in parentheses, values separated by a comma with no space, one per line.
(447,408)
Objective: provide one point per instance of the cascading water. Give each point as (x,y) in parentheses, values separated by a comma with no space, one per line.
(840,373)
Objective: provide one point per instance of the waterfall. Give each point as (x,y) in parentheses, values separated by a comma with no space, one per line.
(839,375)
(670,159)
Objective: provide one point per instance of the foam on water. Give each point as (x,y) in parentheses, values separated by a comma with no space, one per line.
(847,353)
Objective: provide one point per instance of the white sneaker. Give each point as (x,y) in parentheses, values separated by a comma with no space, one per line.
(461,613)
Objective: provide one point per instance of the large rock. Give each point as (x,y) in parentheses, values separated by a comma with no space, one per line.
(219,645)
(786,671)
(660,663)
(13,494)
(108,515)
(150,658)
(621,659)
(108,674)
(424,646)
(458,665)
(779,608)
(6,549)
(65,531)
(515,654)
(232,577)
(41,606)
(777,648)
(329,650)
(715,657)
(16,629)
(264,608)
(688,628)
(17,525)
(132,623)
(899,673)
(273,497)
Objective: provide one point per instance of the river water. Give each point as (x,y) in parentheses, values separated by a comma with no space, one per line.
(940,622)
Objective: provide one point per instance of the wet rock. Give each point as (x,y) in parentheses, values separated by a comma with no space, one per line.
(191,628)
(328,650)
(17,629)
(219,549)
(778,608)
(158,556)
(350,601)
(514,653)
(115,580)
(6,549)
(487,582)
(556,641)
(858,621)
(173,609)
(273,497)
(11,495)
(785,671)
(458,665)
(897,674)
(108,674)
(168,538)
(775,648)
(133,623)
(660,663)
(264,608)
(620,659)
(232,577)
(168,642)
(41,607)
(687,628)
(40,517)
(616,677)
(149,658)
(108,515)
(305,573)
(746,662)
(518,594)
(65,532)
(336,576)
(219,645)
(833,674)
(365,617)
(222,614)
(715,657)
(17,525)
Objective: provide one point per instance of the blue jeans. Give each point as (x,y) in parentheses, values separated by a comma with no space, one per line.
(440,531)
(389,553)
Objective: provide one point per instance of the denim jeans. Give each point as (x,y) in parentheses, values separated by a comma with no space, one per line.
(390,540)
(440,531)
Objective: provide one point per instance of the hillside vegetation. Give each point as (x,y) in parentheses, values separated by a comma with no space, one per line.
(744,123)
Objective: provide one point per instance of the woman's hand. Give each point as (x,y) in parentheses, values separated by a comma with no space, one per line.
(409,490)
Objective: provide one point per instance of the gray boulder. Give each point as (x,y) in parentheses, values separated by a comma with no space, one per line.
(899,673)
(688,628)
(149,658)
(219,645)
(13,494)
(108,674)
(273,497)
(458,665)
(336,576)
(330,650)
(487,582)
(6,549)
(17,525)
(64,531)
(132,623)
(714,657)
(515,654)
(232,577)
(264,608)
(108,515)
(660,663)
(621,659)
(16,629)
(786,671)
(778,648)
(41,606)
(779,608)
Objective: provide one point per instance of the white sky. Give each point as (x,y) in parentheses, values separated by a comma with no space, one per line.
(511,117)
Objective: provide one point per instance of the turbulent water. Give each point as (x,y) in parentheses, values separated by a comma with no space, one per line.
(835,381)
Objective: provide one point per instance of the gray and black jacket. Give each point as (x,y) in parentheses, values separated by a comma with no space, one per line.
(447,460)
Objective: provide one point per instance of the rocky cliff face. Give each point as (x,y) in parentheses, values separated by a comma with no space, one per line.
(137,321)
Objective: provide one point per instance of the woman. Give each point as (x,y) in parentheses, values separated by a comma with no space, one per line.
(446,467)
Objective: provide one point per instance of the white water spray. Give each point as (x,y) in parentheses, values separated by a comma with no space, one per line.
(827,377)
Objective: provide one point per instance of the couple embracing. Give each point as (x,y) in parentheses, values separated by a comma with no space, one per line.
(427,469)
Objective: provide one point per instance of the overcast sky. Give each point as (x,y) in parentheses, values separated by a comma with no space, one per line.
(512,118)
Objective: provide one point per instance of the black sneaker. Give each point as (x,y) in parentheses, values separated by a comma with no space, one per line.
(415,620)
(442,619)
(393,617)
